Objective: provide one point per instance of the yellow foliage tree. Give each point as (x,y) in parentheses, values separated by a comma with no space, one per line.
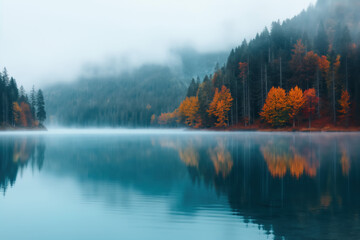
(275,109)
(168,118)
(189,111)
(153,119)
(295,102)
(220,106)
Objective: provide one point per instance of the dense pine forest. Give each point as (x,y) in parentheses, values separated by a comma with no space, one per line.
(17,108)
(304,70)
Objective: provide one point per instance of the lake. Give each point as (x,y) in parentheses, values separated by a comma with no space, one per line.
(177,184)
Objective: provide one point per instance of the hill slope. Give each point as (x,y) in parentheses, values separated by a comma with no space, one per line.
(130,98)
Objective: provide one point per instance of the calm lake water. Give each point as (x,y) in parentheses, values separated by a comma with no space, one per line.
(133,184)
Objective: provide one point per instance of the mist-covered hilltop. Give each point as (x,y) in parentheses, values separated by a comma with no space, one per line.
(317,51)
(129,98)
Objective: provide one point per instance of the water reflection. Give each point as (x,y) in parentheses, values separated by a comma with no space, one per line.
(283,157)
(290,185)
(16,154)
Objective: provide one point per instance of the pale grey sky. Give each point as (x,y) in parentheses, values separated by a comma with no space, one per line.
(43,41)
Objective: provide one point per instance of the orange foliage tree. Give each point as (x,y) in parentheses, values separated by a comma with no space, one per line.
(168,118)
(324,66)
(311,100)
(344,105)
(275,109)
(220,106)
(189,111)
(16,113)
(295,102)
(26,118)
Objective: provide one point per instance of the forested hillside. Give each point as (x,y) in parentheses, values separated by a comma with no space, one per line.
(17,108)
(302,69)
(130,98)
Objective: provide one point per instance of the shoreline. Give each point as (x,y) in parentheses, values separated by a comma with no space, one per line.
(15,129)
(315,129)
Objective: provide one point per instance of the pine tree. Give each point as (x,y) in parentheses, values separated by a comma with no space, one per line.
(41,113)
(321,40)
(33,102)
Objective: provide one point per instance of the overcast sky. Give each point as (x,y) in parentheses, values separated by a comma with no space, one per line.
(43,41)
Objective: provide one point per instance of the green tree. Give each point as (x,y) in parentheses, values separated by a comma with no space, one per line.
(321,40)
(33,102)
(41,113)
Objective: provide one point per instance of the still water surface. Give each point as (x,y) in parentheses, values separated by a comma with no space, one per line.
(132,184)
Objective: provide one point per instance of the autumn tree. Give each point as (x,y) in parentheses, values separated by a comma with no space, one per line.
(26,118)
(295,102)
(220,106)
(153,119)
(189,111)
(344,103)
(275,109)
(311,100)
(167,118)
(16,113)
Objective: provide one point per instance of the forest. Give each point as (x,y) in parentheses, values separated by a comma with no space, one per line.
(303,71)
(17,108)
(103,97)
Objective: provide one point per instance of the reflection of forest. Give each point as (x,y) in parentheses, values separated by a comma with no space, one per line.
(285,184)
(17,153)
(284,157)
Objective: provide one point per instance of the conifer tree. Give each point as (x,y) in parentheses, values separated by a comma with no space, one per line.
(41,113)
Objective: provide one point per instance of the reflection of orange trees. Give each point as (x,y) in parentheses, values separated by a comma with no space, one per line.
(189,156)
(345,161)
(276,162)
(279,162)
(221,159)
(18,154)
(22,151)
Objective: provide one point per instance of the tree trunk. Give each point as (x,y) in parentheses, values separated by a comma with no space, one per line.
(266,81)
(248,92)
(318,91)
(333,95)
(280,73)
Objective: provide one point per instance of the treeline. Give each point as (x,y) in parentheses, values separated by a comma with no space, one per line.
(18,109)
(317,50)
(104,97)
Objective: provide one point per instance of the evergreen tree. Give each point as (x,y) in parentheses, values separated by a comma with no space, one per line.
(321,40)
(33,101)
(192,90)
(40,114)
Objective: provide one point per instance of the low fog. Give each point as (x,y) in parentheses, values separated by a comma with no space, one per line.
(43,41)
